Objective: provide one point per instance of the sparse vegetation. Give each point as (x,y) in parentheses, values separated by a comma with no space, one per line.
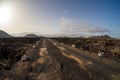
(57,62)
(110,46)
(12,49)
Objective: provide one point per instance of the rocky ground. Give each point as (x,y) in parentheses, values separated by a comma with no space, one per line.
(50,60)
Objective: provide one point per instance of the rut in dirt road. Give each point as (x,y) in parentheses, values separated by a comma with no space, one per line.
(69,69)
(48,65)
(44,67)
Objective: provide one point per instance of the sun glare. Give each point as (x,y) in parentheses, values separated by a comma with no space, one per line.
(5,14)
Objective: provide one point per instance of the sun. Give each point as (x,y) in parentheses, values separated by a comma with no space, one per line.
(5,14)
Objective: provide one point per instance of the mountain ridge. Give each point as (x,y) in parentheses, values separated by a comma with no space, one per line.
(4,34)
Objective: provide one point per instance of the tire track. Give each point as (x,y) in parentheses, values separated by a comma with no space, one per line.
(69,69)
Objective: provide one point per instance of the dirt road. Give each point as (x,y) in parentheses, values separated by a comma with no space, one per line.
(50,60)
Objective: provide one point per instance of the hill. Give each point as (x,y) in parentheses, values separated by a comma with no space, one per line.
(4,34)
(30,35)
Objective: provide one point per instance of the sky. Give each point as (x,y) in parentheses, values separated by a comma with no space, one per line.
(75,17)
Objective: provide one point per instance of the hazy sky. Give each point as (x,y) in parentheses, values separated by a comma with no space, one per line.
(61,16)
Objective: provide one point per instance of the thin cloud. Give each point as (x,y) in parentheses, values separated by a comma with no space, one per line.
(70,26)
(66,11)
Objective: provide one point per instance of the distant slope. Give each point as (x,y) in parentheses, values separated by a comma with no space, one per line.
(101,37)
(30,35)
(4,34)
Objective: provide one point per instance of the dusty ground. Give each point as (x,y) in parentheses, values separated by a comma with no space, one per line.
(50,60)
